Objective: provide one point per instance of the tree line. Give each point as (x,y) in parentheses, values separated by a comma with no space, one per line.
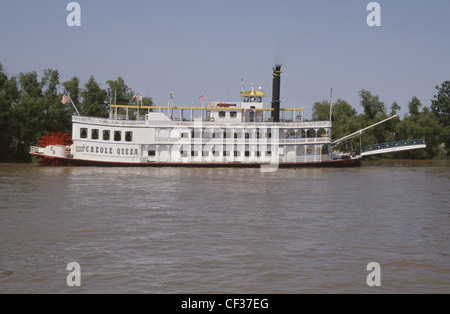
(31,106)
(421,122)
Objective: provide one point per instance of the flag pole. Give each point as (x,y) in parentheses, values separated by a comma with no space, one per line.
(115,103)
(203,104)
(110,103)
(138,109)
(70,98)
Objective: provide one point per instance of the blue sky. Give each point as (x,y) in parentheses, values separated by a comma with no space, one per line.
(192,46)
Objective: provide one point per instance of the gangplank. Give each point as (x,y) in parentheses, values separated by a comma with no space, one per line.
(390,147)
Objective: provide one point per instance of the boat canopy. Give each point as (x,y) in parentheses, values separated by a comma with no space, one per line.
(253,92)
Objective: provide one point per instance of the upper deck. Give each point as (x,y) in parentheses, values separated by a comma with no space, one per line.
(148,120)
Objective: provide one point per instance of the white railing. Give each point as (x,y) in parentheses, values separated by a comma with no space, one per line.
(36,150)
(203,124)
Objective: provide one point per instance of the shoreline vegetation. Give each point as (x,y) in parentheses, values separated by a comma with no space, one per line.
(30,107)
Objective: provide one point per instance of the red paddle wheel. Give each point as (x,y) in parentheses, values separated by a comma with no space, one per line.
(54,138)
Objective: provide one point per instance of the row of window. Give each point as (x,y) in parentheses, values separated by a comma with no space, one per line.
(240,134)
(223,114)
(185,153)
(197,134)
(217,152)
(106,135)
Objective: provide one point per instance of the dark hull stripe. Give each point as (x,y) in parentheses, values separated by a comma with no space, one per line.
(331,163)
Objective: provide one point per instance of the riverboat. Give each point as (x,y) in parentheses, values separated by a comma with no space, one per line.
(246,133)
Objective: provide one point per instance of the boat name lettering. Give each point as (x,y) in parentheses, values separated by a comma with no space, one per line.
(110,150)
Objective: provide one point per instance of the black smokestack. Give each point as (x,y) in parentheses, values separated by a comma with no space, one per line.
(276,93)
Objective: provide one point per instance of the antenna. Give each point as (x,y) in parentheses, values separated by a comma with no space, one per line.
(331,102)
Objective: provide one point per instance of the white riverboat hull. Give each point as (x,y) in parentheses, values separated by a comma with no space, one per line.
(224,134)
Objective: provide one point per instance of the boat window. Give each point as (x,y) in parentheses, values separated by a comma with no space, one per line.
(151,153)
(196,134)
(106,135)
(252,116)
(83,132)
(247,153)
(222,114)
(233,114)
(237,153)
(94,134)
(128,136)
(184,134)
(117,136)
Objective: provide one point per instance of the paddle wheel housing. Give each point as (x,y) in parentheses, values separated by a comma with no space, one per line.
(55,144)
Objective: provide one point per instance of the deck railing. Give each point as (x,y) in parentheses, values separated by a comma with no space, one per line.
(203,124)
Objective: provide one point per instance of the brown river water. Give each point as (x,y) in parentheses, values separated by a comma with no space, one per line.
(226,230)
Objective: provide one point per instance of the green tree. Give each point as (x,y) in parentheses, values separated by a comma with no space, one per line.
(414,106)
(8,98)
(94,100)
(321,111)
(28,115)
(120,93)
(57,114)
(440,105)
(423,125)
(395,108)
(146,102)
(342,109)
(372,105)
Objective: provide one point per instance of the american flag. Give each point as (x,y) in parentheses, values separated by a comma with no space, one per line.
(135,96)
(202,97)
(65,98)
(140,98)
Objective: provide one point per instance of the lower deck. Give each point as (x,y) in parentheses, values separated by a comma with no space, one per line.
(200,153)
